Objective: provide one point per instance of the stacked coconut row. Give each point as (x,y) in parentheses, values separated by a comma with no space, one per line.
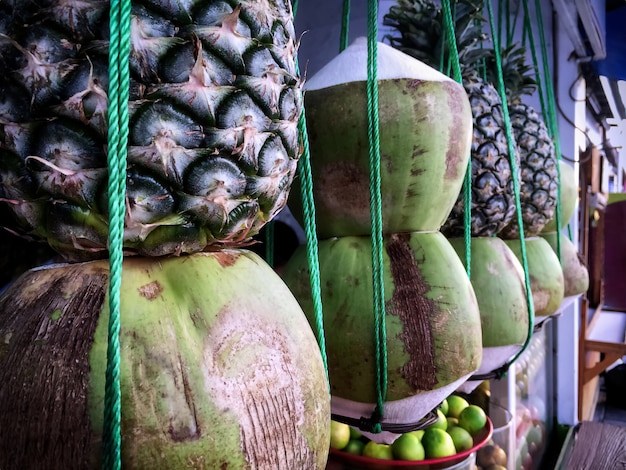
(433,328)
(496,248)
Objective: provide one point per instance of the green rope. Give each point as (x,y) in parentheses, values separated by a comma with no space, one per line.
(516,185)
(269,242)
(376,210)
(552,121)
(451,37)
(119,51)
(310,230)
(345,23)
(312,246)
(467,181)
(546,109)
(533,50)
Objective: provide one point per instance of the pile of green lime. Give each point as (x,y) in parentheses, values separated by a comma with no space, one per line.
(458,422)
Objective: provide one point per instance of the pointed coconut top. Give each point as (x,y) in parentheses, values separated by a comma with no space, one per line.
(351,66)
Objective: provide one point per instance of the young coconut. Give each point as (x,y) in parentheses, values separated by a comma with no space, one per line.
(498,282)
(432,323)
(547,284)
(425,127)
(575,273)
(219,368)
(568,199)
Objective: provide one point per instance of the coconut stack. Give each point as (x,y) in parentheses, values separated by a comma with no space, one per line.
(433,332)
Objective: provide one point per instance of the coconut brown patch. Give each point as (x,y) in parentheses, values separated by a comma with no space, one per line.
(410,303)
(226,258)
(456,101)
(341,188)
(151,290)
(47,323)
(249,368)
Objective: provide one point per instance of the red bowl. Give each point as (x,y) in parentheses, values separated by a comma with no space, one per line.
(357,462)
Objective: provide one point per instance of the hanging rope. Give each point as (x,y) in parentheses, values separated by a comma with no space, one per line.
(533,50)
(310,230)
(312,247)
(552,120)
(450,34)
(376,212)
(545,109)
(516,189)
(345,24)
(119,50)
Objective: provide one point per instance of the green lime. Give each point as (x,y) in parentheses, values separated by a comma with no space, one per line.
(462,439)
(452,422)
(355,446)
(456,404)
(472,419)
(444,406)
(339,435)
(442,422)
(437,443)
(355,433)
(419,433)
(378,451)
(408,447)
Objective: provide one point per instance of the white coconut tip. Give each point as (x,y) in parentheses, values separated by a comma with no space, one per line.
(351,66)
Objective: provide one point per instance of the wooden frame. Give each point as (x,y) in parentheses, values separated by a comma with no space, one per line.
(595,355)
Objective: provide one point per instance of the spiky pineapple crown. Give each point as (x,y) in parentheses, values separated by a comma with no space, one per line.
(516,72)
(420,24)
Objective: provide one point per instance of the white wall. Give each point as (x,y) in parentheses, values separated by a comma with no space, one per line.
(320,22)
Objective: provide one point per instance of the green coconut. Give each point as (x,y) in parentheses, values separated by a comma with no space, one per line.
(425,125)
(497,277)
(575,273)
(547,284)
(432,320)
(219,367)
(568,199)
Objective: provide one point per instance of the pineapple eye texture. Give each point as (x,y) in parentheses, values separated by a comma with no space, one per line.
(214,103)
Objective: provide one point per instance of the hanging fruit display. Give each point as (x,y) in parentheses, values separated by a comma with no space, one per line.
(493,204)
(433,338)
(219,366)
(496,274)
(423,118)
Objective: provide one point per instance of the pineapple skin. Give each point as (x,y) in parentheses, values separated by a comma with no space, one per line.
(492,198)
(539,179)
(215,99)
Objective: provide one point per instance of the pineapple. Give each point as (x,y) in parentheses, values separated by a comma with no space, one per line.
(538,163)
(215,99)
(493,205)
